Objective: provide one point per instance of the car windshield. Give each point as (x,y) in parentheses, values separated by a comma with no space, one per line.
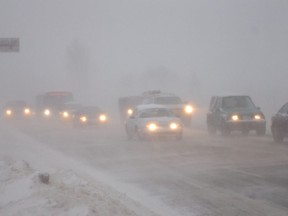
(155,112)
(90,110)
(237,102)
(168,100)
(16,104)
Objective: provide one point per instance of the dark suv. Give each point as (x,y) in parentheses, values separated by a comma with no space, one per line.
(279,126)
(234,112)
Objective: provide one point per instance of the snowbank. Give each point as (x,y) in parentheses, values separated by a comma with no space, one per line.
(69,191)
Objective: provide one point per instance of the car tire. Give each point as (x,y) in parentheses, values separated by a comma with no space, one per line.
(138,135)
(225,130)
(128,134)
(278,134)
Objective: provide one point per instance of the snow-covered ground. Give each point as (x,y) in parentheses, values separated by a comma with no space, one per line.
(73,188)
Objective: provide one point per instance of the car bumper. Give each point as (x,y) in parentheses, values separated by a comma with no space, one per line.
(161,132)
(245,124)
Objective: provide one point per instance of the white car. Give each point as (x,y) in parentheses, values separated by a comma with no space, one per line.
(153,120)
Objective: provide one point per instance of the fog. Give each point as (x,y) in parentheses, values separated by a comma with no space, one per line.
(102,50)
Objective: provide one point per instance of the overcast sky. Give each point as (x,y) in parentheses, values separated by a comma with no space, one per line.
(105,49)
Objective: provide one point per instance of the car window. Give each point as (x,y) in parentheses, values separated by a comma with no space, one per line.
(16,104)
(212,104)
(233,102)
(155,112)
(284,109)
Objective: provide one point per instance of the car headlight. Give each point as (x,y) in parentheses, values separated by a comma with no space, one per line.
(65,114)
(257,117)
(174,126)
(129,112)
(235,117)
(103,118)
(47,112)
(27,111)
(83,119)
(151,126)
(189,109)
(8,112)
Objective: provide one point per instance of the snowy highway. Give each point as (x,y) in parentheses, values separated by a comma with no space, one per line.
(200,175)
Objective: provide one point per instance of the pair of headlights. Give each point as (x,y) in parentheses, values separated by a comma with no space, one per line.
(26,111)
(237,117)
(154,126)
(101,118)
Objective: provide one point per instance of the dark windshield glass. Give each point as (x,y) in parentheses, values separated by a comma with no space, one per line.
(16,104)
(240,102)
(90,110)
(168,100)
(155,112)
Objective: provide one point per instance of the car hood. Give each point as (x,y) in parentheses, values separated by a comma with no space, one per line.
(173,106)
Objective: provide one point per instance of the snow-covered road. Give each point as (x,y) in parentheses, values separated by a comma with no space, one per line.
(200,175)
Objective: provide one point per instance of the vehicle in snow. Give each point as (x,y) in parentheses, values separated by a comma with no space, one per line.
(126,106)
(17,109)
(89,116)
(153,120)
(50,104)
(279,126)
(234,112)
(173,102)
(68,111)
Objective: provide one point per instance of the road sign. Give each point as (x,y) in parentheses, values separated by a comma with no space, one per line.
(9,45)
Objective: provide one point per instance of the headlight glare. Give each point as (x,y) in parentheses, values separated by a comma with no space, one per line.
(151,126)
(235,117)
(257,117)
(65,114)
(27,111)
(8,112)
(83,119)
(189,109)
(129,112)
(103,118)
(47,112)
(174,126)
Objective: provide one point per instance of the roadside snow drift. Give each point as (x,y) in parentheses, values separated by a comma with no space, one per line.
(68,191)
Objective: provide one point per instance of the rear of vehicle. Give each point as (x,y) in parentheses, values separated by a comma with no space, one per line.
(68,111)
(17,109)
(235,113)
(89,116)
(153,121)
(279,126)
